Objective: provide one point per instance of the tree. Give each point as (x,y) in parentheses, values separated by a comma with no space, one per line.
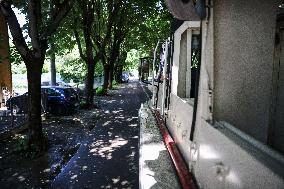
(118,35)
(60,44)
(113,20)
(33,54)
(152,22)
(105,14)
(128,24)
(86,10)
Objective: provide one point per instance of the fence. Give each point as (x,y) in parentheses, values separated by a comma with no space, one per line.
(12,118)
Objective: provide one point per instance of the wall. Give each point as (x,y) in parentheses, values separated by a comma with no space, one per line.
(5,66)
(228,159)
(244,44)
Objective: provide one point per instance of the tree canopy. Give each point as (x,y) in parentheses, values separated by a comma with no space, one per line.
(106,33)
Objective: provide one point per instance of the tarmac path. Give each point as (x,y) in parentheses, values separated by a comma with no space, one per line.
(109,158)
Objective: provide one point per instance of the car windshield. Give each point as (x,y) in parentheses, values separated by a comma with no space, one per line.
(53,92)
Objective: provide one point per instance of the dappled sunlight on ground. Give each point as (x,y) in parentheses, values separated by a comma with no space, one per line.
(109,157)
(105,149)
(64,133)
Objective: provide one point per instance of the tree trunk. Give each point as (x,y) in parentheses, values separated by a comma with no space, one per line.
(121,61)
(119,74)
(106,76)
(89,90)
(52,66)
(110,79)
(113,57)
(90,66)
(36,137)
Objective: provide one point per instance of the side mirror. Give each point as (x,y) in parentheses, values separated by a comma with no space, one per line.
(187,10)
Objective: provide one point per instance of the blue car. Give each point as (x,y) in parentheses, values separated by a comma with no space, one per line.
(125,77)
(56,100)
(60,100)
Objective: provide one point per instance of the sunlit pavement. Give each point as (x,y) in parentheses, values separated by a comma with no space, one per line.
(156,168)
(109,157)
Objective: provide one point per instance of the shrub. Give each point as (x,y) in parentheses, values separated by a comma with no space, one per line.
(100,91)
(114,83)
(82,102)
(21,143)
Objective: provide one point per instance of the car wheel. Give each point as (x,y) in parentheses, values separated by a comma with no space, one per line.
(16,109)
(61,110)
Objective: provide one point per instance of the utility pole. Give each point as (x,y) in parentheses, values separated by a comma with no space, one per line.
(52,66)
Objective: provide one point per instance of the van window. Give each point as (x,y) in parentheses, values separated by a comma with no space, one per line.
(188,63)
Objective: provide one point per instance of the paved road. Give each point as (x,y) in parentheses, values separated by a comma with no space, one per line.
(109,158)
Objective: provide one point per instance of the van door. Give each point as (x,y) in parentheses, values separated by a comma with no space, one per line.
(277,135)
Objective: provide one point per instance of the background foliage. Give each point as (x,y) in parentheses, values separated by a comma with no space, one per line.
(146,22)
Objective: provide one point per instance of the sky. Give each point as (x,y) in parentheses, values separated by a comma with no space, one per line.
(20,16)
(21,19)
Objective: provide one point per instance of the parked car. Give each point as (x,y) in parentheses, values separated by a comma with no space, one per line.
(19,103)
(56,100)
(125,77)
(61,100)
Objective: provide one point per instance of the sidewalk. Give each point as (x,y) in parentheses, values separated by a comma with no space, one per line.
(156,170)
(109,157)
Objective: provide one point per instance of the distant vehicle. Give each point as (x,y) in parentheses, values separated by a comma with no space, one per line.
(59,100)
(125,77)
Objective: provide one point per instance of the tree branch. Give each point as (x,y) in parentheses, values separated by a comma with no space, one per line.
(59,15)
(111,17)
(78,41)
(15,29)
(34,14)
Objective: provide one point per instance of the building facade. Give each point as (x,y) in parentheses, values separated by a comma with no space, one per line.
(5,66)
